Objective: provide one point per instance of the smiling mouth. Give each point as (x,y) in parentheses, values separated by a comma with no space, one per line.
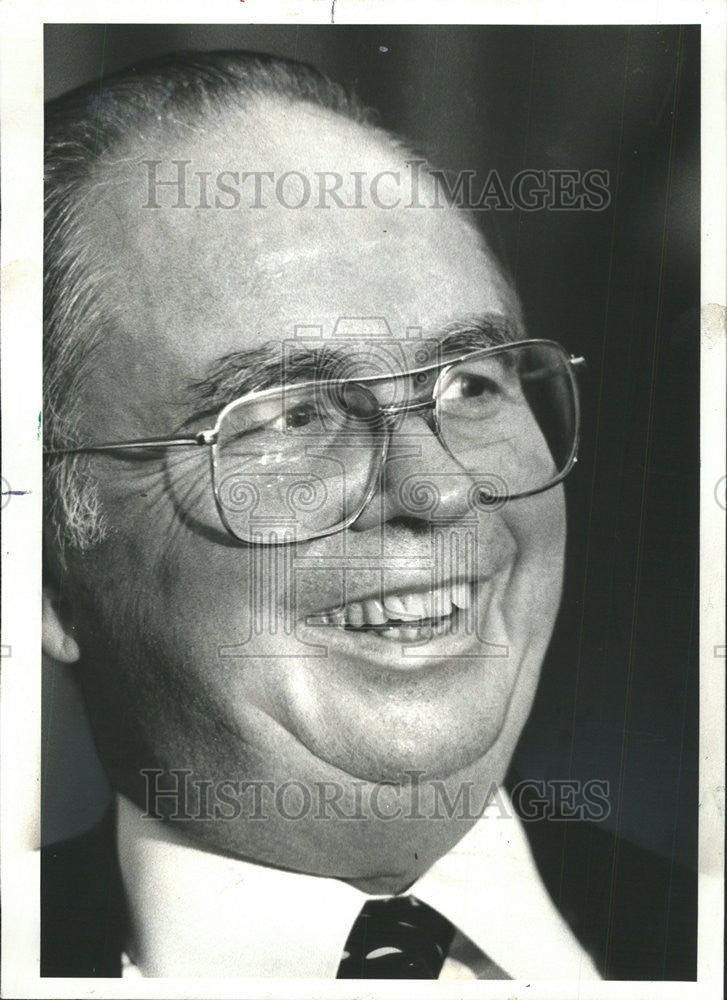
(408,617)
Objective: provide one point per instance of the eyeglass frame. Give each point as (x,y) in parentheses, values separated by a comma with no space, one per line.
(210,437)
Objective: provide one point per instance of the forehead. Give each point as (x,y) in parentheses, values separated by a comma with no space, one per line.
(225,272)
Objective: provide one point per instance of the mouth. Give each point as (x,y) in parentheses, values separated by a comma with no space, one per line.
(404,616)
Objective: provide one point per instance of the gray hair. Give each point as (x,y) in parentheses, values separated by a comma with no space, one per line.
(81,128)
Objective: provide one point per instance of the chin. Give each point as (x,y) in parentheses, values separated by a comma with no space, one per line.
(432,749)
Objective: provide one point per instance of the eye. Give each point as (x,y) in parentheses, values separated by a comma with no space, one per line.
(476,385)
(470,386)
(300,415)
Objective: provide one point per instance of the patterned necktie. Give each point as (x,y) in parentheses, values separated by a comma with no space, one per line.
(397,938)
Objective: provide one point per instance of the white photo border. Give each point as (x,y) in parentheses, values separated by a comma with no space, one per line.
(21,92)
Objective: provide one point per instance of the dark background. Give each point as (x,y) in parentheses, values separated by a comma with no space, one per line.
(618,699)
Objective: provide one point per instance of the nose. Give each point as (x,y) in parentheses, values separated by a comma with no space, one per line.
(420,482)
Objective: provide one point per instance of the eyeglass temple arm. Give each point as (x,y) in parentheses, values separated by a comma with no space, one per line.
(208,437)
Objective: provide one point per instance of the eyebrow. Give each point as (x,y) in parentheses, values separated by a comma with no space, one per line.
(238,373)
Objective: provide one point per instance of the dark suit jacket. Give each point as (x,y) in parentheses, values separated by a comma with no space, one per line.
(635,912)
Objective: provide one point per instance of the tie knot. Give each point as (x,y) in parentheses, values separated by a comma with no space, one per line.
(397,938)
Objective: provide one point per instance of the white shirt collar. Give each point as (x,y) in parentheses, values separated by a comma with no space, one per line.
(196,913)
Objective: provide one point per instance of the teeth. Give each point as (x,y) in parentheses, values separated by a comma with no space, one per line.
(438,603)
(415,607)
(461,595)
(394,606)
(354,614)
(374,613)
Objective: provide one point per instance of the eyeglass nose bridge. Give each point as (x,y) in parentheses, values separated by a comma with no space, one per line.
(426,407)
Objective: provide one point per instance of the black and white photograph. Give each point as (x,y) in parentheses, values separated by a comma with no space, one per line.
(372,469)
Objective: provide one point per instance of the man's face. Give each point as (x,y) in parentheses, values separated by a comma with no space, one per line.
(198,649)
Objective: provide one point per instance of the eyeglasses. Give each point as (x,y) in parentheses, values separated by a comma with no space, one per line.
(304,460)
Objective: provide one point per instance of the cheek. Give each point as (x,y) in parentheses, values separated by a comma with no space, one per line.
(218,618)
(145,593)
(164,534)
(193,594)
(538,526)
(154,613)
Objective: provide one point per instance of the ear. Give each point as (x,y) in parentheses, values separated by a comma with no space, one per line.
(58,640)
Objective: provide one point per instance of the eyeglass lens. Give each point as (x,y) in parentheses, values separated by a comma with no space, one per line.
(304,460)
